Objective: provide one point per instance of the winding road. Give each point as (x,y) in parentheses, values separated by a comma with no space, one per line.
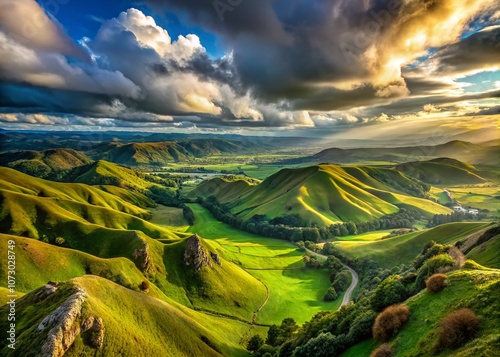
(348,294)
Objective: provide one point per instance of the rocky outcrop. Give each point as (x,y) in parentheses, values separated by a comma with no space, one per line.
(142,258)
(95,329)
(216,259)
(195,254)
(64,326)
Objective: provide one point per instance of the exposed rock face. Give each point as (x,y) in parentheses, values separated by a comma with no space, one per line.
(195,254)
(142,258)
(65,326)
(96,328)
(216,259)
(45,291)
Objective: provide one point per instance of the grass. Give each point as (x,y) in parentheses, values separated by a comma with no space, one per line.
(368,236)
(294,291)
(477,290)
(403,249)
(478,196)
(321,194)
(487,253)
(168,217)
(139,325)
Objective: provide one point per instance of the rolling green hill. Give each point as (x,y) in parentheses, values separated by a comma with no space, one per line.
(161,153)
(119,199)
(477,290)
(403,249)
(44,163)
(89,220)
(442,171)
(107,173)
(90,322)
(323,194)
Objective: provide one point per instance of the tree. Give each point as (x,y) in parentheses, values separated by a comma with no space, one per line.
(391,291)
(331,294)
(255,343)
(272,335)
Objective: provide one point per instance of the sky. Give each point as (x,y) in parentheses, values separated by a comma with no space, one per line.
(345,69)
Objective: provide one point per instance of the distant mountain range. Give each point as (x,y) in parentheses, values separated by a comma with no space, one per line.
(488,153)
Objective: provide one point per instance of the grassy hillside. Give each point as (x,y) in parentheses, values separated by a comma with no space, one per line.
(442,171)
(293,290)
(323,194)
(107,173)
(161,153)
(44,163)
(118,199)
(403,249)
(476,290)
(459,150)
(139,325)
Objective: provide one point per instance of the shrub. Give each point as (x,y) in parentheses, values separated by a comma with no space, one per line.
(457,328)
(389,321)
(144,285)
(391,291)
(331,295)
(60,240)
(382,351)
(255,343)
(436,283)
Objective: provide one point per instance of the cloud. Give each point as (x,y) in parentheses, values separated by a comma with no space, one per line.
(298,64)
(479,51)
(28,24)
(305,51)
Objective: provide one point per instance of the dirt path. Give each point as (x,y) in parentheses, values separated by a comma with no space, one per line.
(355,279)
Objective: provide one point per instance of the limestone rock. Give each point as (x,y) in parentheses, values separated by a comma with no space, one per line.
(195,254)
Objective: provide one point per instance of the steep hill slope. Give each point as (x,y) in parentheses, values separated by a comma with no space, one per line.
(323,194)
(474,289)
(403,249)
(442,171)
(44,163)
(84,313)
(120,199)
(161,153)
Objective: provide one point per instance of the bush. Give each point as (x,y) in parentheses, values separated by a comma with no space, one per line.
(255,343)
(144,285)
(436,283)
(383,351)
(457,328)
(60,240)
(391,291)
(331,295)
(389,321)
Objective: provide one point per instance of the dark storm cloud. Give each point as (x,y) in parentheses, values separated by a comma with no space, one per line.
(283,48)
(480,50)
(414,104)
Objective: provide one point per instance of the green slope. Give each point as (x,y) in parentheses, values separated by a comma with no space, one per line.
(442,171)
(139,325)
(161,153)
(44,163)
(118,199)
(476,290)
(403,249)
(323,194)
